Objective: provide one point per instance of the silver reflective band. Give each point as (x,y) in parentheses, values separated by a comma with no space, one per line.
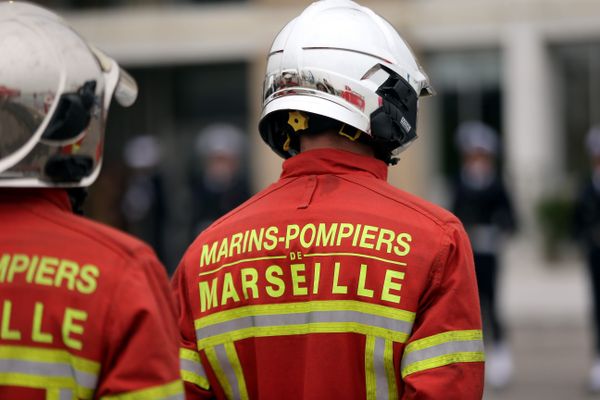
(175,397)
(228,370)
(49,370)
(446,348)
(191,366)
(380,373)
(381,381)
(442,349)
(304,318)
(226,366)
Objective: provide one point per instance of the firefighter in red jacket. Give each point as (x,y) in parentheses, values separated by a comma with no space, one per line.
(332,284)
(86,312)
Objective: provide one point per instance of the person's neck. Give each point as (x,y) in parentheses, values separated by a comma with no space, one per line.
(332,140)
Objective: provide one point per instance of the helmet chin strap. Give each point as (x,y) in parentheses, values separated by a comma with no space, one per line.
(77,197)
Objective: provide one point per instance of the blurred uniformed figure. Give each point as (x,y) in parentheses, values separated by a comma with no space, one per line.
(587,229)
(85,310)
(483,204)
(331,283)
(218,180)
(143,204)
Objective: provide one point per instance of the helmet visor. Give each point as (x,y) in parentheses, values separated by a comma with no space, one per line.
(119,83)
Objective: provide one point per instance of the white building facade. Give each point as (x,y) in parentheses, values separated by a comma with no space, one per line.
(512,53)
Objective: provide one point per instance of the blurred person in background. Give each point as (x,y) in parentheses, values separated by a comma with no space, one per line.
(85,310)
(587,229)
(483,204)
(218,179)
(331,283)
(143,202)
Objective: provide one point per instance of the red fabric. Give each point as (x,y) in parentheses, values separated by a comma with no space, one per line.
(130,327)
(326,187)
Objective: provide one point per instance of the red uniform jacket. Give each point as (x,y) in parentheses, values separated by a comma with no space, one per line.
(331,284)
(85,311)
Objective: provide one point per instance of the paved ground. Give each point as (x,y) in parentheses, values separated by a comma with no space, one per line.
(551,364)
(546,309)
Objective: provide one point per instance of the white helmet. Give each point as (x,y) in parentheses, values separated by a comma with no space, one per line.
(55,90)
(474,136)
(341,61)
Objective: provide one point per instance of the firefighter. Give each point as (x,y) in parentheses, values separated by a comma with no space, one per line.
(330,283)
(586,221)
(484,205)
(85,311)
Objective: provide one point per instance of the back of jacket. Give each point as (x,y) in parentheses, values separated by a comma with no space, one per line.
(331,284)
(85,311)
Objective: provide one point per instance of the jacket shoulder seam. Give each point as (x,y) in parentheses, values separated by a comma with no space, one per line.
(99,237)
(443,224)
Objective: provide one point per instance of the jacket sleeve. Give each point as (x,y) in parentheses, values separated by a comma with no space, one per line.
(192,372)
(141,350)
(443,358)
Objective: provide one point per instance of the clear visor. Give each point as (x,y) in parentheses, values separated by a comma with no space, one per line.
(118,82)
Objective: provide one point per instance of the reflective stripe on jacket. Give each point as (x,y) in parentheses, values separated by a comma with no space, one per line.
(85,311)
(331,284)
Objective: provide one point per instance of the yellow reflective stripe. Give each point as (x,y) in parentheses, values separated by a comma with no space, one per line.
(190,355)
(192,376)
(38,380)
(303,329)
(172,389)
(388,358)
(442,360)
(216,366)
(49,355)
(201,381)
(237,368)
(442,349)
(53,394)
(44,382)
(371,380)
(440,338)
(304,307)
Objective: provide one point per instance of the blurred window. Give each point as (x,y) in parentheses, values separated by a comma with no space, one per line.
(468,85)
(180,101)
(577,69)
(175,103)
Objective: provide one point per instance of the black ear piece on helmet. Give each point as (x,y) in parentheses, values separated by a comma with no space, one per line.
(72,115)
(394,124)
(277,133)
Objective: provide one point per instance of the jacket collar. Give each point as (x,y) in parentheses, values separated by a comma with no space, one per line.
(57,197)
(335,162)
